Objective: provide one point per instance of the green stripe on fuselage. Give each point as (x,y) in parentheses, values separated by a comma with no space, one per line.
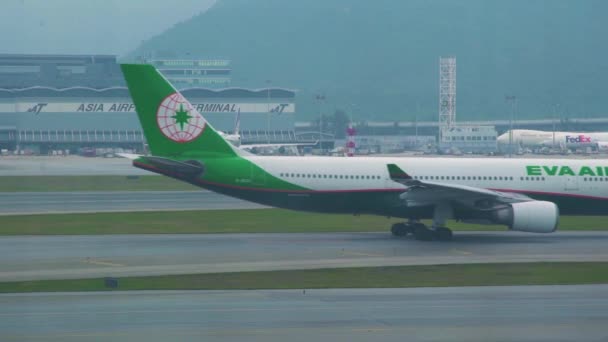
(241,172)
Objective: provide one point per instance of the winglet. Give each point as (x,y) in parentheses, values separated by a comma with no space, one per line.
(397,174)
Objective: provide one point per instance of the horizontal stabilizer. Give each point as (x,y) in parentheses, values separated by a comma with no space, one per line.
(189,168)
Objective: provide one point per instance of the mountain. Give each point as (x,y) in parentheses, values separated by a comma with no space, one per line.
(380,58)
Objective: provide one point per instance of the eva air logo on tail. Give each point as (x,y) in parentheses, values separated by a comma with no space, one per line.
(178,120)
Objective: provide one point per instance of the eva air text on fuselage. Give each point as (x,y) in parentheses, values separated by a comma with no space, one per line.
(563,170)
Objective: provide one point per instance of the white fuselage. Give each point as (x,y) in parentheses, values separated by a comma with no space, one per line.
(551,176)
(234,139)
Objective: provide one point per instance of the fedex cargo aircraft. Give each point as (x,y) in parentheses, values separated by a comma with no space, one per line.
(526,138)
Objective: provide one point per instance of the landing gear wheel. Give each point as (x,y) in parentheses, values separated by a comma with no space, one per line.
(422,233)
(400,229)
(443,234)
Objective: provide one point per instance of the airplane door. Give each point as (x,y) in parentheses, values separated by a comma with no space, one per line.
(571,184)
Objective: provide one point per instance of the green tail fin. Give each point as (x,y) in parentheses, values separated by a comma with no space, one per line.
(172,126)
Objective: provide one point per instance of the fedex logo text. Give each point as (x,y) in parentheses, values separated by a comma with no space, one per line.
(581,139)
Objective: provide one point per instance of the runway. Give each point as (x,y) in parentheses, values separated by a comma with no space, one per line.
(55,257)
(12,203)
(521,313)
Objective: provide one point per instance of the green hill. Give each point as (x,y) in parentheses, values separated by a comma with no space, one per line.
(383,55)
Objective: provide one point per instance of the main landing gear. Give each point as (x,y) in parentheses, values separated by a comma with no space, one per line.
(438,231)
(421,232)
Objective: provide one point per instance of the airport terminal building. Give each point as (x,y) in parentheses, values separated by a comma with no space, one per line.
(44,108)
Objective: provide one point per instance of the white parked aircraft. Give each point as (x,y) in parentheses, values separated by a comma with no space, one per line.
(533,139)
(235,139)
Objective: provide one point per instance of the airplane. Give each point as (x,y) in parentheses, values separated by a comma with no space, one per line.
(235,139)
(524,194)
(533,139)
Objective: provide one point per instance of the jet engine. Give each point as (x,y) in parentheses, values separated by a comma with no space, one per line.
(532,216)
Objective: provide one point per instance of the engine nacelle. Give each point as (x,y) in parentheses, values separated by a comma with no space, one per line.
(532,216)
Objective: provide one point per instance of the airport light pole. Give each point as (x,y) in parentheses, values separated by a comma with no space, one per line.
(416,124)
(319,98)
(555,111)
(268,82)
(512,99)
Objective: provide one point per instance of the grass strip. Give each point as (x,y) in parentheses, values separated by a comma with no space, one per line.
(90,183)
(559,273)
(228,221)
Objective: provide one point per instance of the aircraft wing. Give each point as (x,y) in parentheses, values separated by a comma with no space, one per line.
(422,193)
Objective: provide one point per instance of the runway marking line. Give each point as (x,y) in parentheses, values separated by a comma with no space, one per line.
(102,263)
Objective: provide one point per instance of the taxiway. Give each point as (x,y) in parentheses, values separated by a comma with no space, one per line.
(62,257)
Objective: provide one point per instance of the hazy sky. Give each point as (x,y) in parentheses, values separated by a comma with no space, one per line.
(88,26)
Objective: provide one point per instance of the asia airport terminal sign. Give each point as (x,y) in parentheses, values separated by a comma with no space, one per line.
(129,107)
